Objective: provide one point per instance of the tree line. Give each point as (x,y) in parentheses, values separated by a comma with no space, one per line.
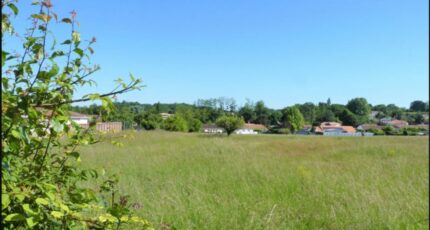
(190,117)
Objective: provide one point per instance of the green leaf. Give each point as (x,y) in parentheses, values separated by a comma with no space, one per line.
(42,201)
(54,70)
(3,57)
(57,53)
(5,201)
(66,42)
(14,217)
(43,17)
(57,214)
(13,8)
(64,207)
(28,210)
(79,51)
(43,75)
(66,20)
(102,219)
(50,195)
(16,134)
(50,186)
(31,222)
(94,96)
(74,154)
(20,197)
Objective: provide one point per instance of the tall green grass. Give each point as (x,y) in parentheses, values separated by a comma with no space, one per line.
(194,181)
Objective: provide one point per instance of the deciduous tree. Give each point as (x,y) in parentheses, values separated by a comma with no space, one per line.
(230,123)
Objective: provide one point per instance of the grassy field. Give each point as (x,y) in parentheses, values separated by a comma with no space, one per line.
(193,181)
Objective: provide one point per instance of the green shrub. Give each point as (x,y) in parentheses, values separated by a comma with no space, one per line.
(41,180)
(175,123)
(389,130)
(376,131)
(194,125)
(149,120)
(280,131)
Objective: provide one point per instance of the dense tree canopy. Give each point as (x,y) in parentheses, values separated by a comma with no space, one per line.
(418,106)
(309,112)
(348,118)
(208,111)
(359,106)
(248,113)
(293,119)
(261,113)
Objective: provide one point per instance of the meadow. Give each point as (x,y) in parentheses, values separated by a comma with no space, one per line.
(196,181)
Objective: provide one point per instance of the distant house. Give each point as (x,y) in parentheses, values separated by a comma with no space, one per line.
(250,128)
(209,128)
(335,129)
(165,115)
(398,123)
(82,120)
(385,120)
(393,122)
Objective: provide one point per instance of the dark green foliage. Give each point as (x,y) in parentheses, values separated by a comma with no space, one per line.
(415,118)
(175,123)
(261,113)
(325,115)
(380,108)
(337,109)
(148,120)
(293,119)
(275,117)
(309,112)
(189,115)
(278,130)
(230,123)
(376,131)
(418,106)
(389,130)
(248,112)
(348,118)
(359,106)
(194,125)
(411,131)
(394,111)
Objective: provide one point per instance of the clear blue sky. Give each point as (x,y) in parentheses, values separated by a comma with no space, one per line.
(281,52)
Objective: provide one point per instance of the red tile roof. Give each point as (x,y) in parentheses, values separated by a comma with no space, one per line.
(253,126)
(348,129)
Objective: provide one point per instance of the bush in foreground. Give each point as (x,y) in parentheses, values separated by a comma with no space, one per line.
(42,184)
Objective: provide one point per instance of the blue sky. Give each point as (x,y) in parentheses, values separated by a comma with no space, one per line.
(281,52)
